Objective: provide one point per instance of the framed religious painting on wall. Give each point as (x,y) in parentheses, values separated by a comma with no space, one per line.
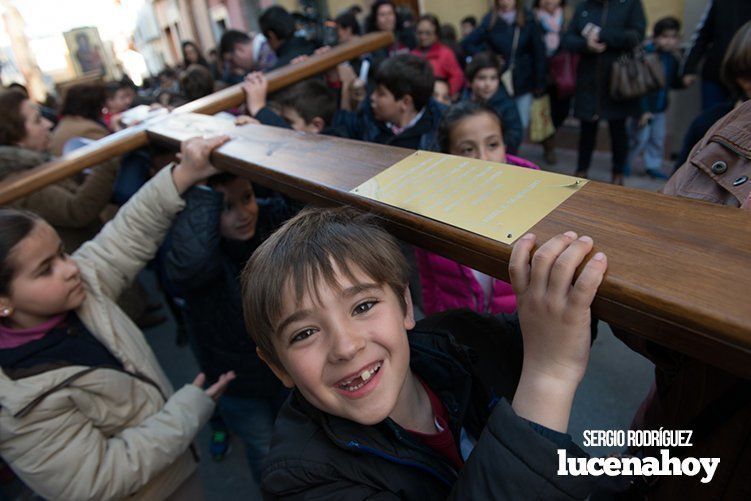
(87,53)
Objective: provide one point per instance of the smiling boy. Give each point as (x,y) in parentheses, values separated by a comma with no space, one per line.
(383,407)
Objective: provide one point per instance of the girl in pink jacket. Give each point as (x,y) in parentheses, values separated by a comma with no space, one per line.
(470,130)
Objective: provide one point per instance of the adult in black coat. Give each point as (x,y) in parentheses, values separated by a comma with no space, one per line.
(601,31)
(721,20)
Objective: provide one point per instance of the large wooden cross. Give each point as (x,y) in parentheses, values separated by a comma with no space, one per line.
(135,137)
(679,270)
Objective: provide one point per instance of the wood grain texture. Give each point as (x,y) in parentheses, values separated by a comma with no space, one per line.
(129,139)
(678,269)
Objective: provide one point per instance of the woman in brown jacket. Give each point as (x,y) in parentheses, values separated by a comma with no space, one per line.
(688,394)
(81,116)
(72,208)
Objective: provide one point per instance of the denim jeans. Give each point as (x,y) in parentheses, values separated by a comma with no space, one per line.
(650,140)
(524,107)
(252,420)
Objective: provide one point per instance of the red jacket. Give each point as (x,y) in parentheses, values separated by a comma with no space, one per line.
(448,285)
(445,65)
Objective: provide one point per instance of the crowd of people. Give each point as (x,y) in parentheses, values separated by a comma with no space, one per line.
(298,317)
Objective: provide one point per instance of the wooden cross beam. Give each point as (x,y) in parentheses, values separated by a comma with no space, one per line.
(132,138)
(678,269)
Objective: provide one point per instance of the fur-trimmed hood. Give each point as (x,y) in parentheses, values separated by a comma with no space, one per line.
(16,159)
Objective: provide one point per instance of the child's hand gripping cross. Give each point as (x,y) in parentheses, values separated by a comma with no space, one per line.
(555,319)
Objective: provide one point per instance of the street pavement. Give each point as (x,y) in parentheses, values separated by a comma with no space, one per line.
(616,381)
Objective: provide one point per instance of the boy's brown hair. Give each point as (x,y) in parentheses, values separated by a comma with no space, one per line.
(310,98)
(307,250)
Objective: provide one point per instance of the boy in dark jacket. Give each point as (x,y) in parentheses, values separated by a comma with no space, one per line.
(649,134)
(307,106)
(401,110)
(378,411)
(211,239)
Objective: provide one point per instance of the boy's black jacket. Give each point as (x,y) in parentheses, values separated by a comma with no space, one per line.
(318,456)
(206,268)
(363,126)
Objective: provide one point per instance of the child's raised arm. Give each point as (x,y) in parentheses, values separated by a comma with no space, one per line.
(555,319)
(255,86)
(132,238)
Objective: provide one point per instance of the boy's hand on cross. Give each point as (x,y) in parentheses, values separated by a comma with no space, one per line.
(194,161)
(255,86)
(555,319)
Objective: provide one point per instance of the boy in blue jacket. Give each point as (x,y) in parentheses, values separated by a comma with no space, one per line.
(401,110)
(385,408)
(648,137)
(307,106)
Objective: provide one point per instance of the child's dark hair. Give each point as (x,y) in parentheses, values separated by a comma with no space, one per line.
(448,34)
(196,82)
(407,74)
(665,24)
(12,124)
(220,179)
(111,88)
(278,21)
(536,4)
(737,61)
(167,73)
(348,20)
(19,87)
(305,253)
(470,20)
(15,225)
(482,61)
(84,100)
(310,98)
(230,38)
(455,114)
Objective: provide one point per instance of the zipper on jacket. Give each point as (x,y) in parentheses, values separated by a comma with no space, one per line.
(352,444)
